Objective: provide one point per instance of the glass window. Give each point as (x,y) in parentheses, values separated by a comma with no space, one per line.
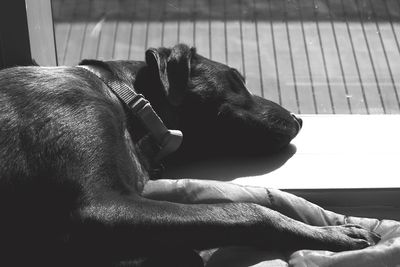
(311,56)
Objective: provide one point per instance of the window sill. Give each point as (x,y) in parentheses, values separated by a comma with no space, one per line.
(336,160)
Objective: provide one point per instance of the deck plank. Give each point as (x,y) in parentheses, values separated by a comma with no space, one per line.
(300,63)
(154,25)
(61,36)
(139,31)
(285,74)
(389,54)
(234,48)
(318,56)
(91,34)
(377,57)
(61,33)
(251,53)
(394,11)
(268,68)
(202,28)
(56,7)
(90,41)
(74,46)
(364,63)
(170,35)
(107,40)
(346,71)
(186,26)
(122,40)
(331,62)
(318,76)
(77,34)
(107,36)
(217,31)
(351,75)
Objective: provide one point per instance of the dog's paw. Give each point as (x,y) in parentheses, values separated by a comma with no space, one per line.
(349,237)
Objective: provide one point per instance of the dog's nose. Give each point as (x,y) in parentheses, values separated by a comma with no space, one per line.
(299,121)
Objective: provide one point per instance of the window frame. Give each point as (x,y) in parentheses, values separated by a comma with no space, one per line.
(31,36)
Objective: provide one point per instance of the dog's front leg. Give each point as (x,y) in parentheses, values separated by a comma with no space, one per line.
(210,191)
(135,226)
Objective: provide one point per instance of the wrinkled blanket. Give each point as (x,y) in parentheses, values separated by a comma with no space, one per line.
(385,253)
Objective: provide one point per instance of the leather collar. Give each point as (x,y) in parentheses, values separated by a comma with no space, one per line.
(167,140)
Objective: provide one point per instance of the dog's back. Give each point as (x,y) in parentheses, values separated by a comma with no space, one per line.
(52,128)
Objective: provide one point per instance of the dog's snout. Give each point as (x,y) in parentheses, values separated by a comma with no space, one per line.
(299,121)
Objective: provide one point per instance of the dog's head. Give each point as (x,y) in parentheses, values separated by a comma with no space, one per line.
(210,103)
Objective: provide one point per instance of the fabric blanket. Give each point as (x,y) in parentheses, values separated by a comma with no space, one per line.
(385,253)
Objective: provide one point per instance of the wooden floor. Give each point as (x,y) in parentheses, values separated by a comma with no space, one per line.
(311,56)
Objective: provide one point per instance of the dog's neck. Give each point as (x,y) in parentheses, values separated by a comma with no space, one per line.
(168,140)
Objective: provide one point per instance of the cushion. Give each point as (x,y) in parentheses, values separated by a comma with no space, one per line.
(191,191)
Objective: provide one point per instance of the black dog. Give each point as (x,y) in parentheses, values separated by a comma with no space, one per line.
(74,161)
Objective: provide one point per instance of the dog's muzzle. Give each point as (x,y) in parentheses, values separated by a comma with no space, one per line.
(299,122)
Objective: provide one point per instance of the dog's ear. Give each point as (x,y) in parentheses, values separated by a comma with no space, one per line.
(173,68)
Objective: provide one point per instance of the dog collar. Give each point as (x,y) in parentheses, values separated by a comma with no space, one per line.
(168,140)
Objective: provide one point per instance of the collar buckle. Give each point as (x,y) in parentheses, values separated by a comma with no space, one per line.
(168,140)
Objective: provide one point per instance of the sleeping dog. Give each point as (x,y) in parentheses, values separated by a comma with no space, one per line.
(75,158)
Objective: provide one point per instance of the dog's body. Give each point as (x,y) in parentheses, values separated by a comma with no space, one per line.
(74,163)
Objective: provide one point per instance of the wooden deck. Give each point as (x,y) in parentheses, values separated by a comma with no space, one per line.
(311,56)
